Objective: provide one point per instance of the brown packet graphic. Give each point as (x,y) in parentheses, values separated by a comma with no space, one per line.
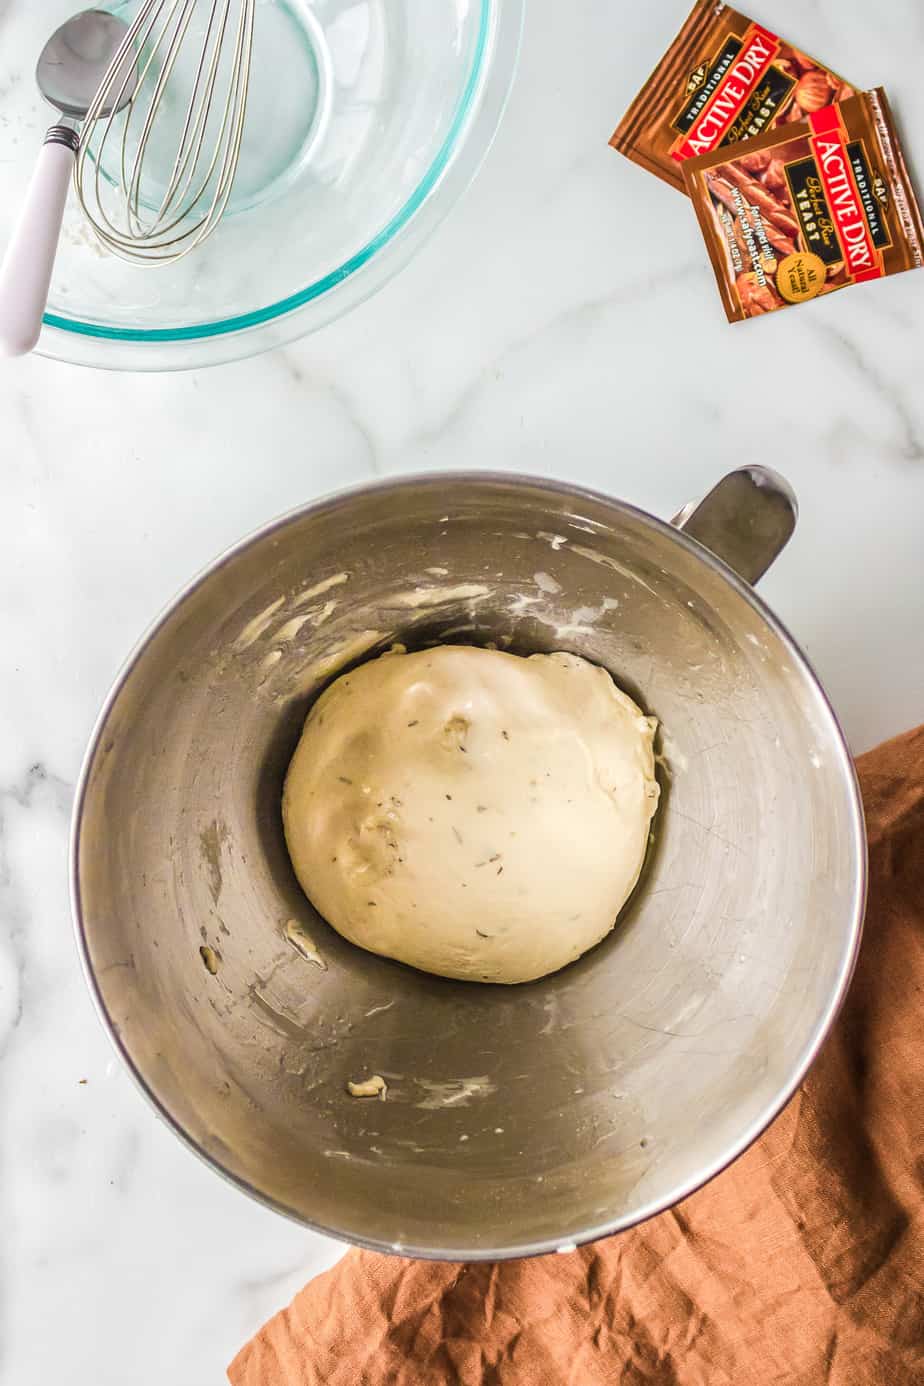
(723,79)
(809,208)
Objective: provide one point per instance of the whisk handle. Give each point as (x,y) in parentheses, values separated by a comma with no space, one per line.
(30,256)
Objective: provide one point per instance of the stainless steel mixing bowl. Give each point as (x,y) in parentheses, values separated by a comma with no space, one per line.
(517,1119)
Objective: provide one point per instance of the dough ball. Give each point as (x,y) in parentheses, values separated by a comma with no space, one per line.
(474,814)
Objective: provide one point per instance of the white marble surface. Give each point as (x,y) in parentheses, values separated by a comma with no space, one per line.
(564,321)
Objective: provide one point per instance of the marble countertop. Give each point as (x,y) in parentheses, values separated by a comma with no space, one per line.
(564,321)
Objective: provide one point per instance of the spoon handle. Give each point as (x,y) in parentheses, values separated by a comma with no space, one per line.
(26,270)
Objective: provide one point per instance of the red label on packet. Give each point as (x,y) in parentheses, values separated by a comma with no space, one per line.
(842,195)
(759,47)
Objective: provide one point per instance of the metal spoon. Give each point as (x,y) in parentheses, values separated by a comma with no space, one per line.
(70,69)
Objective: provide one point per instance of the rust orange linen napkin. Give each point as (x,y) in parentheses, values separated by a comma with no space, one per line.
(802,1264)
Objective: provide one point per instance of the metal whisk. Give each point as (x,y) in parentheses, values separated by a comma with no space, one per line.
(155,177)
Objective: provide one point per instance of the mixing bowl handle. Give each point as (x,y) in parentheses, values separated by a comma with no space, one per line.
(746,520)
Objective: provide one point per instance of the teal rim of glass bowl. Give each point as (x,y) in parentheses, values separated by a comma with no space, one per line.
(335,277)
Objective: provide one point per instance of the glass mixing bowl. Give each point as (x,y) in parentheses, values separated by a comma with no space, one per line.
(366,120)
